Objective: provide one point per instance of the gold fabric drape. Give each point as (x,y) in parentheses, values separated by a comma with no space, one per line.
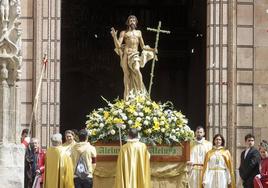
(163,175)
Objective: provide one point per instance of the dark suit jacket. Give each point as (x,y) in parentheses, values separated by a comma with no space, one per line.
(249,167)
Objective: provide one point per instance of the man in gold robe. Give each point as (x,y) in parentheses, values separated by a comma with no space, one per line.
(133,164)
(198,148)
(58,166)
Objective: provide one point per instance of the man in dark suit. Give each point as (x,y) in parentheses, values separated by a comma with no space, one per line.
(250,160)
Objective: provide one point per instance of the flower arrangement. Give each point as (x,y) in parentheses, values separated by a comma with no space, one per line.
(157,123)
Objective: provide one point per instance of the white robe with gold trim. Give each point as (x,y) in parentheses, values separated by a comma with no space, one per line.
(197,156)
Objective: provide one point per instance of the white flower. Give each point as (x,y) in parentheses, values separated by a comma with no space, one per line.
(89,132)
(130,122)
(141,114)
(186,128)
(112,132)
(139,128)
(127,103)
(159,113)
(148,118)
(146,122)
(138,119)
(123,126)
(162,123)
(148,103)
(124,118)
(173,130)
(120,111)
(149,131)
(101,125)
(135,114)
(163,130)
(185,121)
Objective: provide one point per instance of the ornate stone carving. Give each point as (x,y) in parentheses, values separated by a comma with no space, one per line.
(10,70)
(10,40)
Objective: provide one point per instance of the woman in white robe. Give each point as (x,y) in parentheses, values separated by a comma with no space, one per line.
(218,169)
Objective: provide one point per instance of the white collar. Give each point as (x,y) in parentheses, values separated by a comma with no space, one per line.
(200,141)
(133,140)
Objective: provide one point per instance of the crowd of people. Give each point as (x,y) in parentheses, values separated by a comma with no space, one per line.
(72,164)
(211,164)
(65,165)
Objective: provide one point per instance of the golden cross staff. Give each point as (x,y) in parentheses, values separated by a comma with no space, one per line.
(33,115)
(158,31)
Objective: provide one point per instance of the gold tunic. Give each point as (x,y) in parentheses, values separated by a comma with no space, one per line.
(133,166)
(58,169)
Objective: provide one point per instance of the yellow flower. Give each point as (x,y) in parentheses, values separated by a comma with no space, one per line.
(155,106)
(147,110)
(156,126)
(106,114)
(120,104)
(179,124)
(137,124)
(118,121)
(93,132)
(89,126)
(131,109)
(109,120)
(167,126)
(140,99)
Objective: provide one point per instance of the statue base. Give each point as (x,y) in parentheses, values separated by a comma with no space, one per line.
(12,165)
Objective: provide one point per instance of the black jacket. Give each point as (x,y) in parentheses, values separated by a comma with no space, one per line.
(249,167)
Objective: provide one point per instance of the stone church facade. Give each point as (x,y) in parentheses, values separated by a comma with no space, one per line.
(237,71)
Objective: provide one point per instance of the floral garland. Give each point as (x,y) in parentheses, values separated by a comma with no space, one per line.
(157,123)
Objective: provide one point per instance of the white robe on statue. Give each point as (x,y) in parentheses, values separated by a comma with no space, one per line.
(197,157)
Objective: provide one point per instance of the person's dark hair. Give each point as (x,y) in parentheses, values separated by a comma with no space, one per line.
(222,139)
(131,16)
(249,136)
(199,127)
(133,133)
(25,131)
(83,135)
(76,132)
(264,144)
(69,132)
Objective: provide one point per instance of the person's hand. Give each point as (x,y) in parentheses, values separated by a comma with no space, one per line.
(37,172)
(190,163)
(26,141)
(113,32)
